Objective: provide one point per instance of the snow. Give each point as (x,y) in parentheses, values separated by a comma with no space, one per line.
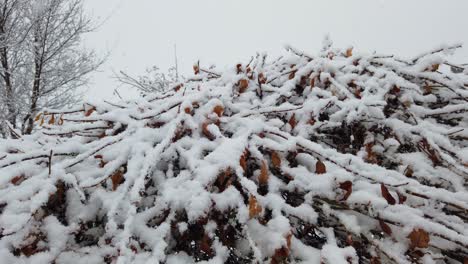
(173,179)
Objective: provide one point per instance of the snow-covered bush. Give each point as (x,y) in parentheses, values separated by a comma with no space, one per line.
(333,158)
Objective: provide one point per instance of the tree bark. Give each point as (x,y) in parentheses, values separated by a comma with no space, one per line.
(6,75)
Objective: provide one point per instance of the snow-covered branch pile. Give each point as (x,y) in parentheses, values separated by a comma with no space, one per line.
(333,158)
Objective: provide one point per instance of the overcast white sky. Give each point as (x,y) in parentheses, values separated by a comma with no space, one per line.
(142,33)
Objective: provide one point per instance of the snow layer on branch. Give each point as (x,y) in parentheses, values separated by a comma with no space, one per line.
(336,158)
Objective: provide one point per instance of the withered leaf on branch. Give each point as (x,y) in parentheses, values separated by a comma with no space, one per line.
(401,198)
(196,68)
(219,110)
(292,121)
(263,177)
(419,238)
(387,195)
(17,180)
(292,75)
(275,159)
(261,78)
(52,120)
(117,179)
(375,260)
(254,208)
(205,245)
(281,254)
(408,171)
(348,187)
(38,116)
(320,167)
(387,230)
(243,160)
(207,132)
(60,122)
(90,111)
(243,85)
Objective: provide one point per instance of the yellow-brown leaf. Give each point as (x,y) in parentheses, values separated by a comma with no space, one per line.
(243,160)
(243,85)
(38,117)
(207,132)
(263,178)
(275,159)
(219,110)
(254,208)
(52,120)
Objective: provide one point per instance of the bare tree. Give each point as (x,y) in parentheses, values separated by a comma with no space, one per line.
(153,81)
(13,33)
(43,40)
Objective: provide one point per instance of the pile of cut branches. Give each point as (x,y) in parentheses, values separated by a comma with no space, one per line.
(333,158)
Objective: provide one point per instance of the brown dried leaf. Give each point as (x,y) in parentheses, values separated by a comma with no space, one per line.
(224,180)
(280,256)
(38,117)
(349,52)
(243,160)
(196,69)
(52,120)
(117,179)
(263,177)
(387,195)
(262,79)
(401,198)
(371,157)
(17,180)
(243,85)
(60,122)
(320,167)
(292,75)
(348,187)
(409,171)
(239,68)
(177,87)
(219,110)
(292,121)
(419,238)
(205,245)
(254,208)
(275,159)
(90,111)
(385,228)
(207,132)
(375,260)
